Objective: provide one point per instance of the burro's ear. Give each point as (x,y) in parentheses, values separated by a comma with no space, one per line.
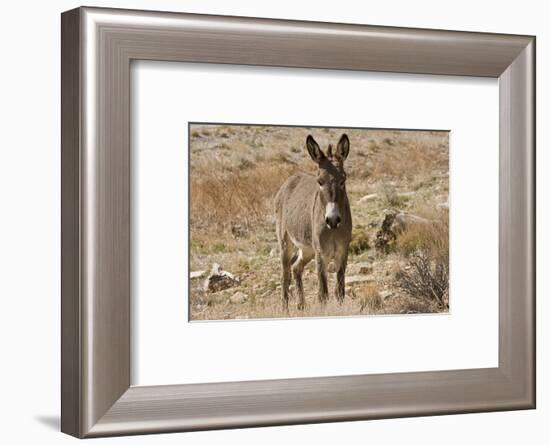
(342,150)
(314,150)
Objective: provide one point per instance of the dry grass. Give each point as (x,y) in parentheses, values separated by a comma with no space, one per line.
(390,198)
(266,303)
(359,240)
(407,156)
(241,196)
(370,299)
(237,170)
(432,238)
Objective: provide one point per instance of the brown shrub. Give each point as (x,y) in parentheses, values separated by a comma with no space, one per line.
(406,233)
(431,237)
(359,241)
(370,300)
(241,196)
(426,278)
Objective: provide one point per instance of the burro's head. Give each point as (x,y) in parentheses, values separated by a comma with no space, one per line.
(331,177)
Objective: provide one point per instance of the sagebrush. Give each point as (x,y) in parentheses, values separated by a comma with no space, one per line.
(426,278)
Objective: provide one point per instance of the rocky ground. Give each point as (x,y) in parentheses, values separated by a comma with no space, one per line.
(236,171)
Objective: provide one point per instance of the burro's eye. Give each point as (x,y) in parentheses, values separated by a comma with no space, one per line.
(342,183)
(320,182)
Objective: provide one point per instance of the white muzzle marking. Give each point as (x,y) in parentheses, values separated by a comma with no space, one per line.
(331,212)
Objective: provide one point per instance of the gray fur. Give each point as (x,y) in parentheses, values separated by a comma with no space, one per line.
(304,222)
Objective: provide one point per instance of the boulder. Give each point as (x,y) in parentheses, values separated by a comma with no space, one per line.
(219,280)
(394,223)
(402,220)
(197,274)
(239,231)
(406,194)
(368,198)
(362,268)
(365,269)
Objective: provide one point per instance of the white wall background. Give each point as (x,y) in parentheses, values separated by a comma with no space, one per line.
(30,223)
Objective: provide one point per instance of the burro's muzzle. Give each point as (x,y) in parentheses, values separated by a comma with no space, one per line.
(332,215)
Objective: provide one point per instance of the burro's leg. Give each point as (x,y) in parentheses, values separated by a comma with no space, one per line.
(302,259)
(285,251)
(340,263)
(322,277)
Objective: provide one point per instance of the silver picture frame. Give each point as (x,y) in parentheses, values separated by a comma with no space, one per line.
(97,47)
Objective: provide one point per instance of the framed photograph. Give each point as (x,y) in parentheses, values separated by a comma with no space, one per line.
(270,222)
(374,201)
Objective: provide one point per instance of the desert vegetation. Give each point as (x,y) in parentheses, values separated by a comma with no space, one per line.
(398,184)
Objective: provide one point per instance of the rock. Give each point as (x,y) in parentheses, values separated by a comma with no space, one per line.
(406,194)
(362,268)
(394,223)
(367,198)
(385,236)
(355,279)
(365,269)
(219,280)
(273,253)
(443,205)
(385,294)
(197,274)
(238,298)
(403,220)
(239,231)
